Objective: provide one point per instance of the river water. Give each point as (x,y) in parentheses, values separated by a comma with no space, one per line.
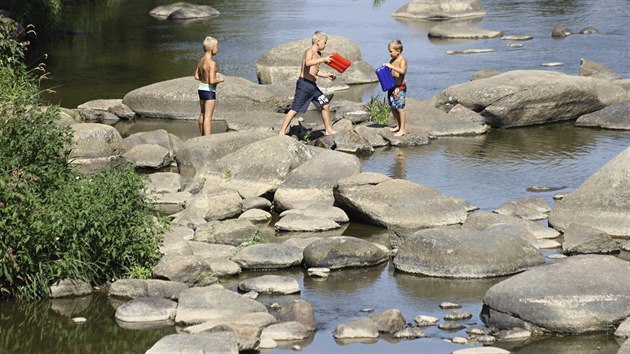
(125,48)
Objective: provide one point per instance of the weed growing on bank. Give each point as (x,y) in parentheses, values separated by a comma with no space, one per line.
(56,223)
(378,110)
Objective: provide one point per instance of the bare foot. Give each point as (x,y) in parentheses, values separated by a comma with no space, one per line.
(400,133)
(332,132)
(395,129)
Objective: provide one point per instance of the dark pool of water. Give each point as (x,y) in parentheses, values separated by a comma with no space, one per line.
(125,48)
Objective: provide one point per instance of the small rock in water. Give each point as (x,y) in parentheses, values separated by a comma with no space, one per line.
(267,343)
(544,188)
(559,196)
(478,331)
(449,305)
(410,333)
(451,325)
(457,315)
(459,340)
(251,294)
(556,256)
(275,306)
(514,45)
(552,64)
(319,272)
(470,51)
(485,339)
(424,321)
(367,309)
(517,38)
(79,320)
(296,348)
(515,334)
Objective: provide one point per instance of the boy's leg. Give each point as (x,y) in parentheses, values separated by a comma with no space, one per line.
(201,115)
(326,119)
(401,123)
(397,117)
(207,116)
(287,120)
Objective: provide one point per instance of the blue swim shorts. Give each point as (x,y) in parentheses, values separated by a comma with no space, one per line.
(306,91)
(396,96)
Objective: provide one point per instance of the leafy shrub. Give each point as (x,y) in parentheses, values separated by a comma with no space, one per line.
(378,110)
(56,223)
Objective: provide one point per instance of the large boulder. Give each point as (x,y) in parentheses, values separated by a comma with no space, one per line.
(282,63)
(268,256)
(458,121)
(440,9)
(198,305)
(529,97)
(313,180)
(259,167)
(398,204)
(341,252)
(178,99)
(576,295)
(207,343)
(594,69)
(461,31)
(602,201)
(465,253)
(94,143)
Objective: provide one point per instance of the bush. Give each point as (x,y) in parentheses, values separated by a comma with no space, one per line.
(378,110)
(56,223)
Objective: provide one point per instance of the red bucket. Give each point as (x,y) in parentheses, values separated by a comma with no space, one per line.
(339,63)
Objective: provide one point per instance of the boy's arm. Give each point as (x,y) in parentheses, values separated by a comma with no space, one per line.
(310,61)
(401,69)
(211,74)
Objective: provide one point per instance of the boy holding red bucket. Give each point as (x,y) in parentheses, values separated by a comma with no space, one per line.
(306,90)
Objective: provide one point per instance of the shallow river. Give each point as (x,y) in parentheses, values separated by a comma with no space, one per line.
(125,48)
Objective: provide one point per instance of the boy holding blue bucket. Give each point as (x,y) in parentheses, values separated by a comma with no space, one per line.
(396,95)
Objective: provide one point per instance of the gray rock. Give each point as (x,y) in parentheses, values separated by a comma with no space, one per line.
(528,97)
(461,31)
(191,270)
(363,178)
(352,111)
(247,319)
(270,284)
(615,117)
(350,141)
(560,31)
(529,208)
(268,256)
(215,203)
(416,206)
(513,230)
(438,123)
(70,287)
(225,267)
(480,220)
(258,168)
(372,133)
(310,183)
(484,74)
(134,288)
(410,333)
(451,326)
(95,142)
(146,309)
(285,331)
(147,156)
(457,315)
(298,310)
(156,137)
(597,70)
(341,252)
(465,253)
(164,182)
(425,321)
(415,136)
(198,305)
(232,232)
(440,10)
(256,215)
(481,350)
(300,242)
(281,63)
(623,330)
(300,222)
(256,203)
(514,334)
(361,328)
(579,239)
(211,252)
(389,321)
(170,203)
(183,10)
(197,153)
(100,104)
(321,210)
(248,337)
(207,343)
(601,201)
(579,294)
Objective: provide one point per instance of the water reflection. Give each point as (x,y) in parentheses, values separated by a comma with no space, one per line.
(584,344)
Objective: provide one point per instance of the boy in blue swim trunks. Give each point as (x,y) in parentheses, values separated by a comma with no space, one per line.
(396,95)
(306,90)
(206,73)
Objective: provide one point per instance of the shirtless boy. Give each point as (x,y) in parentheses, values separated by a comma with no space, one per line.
(396,95)
(306,90)
(206,73)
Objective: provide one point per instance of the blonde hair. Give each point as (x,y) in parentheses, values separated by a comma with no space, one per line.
(396,44)
(209,43)
(318,35)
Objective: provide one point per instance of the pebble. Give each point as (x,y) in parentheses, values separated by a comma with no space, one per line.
(457,315)
(552,64)
(449,305)
(451,325)
(79,320)
(517,38)
(367,309)
(470,51)
(423,321)
(459,340)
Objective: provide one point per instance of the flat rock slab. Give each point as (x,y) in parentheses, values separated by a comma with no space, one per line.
(183,11)
(198,305)
(134,288)
(451,31)
(341,252)
(268,256)
(440,10)
(206,343)
(146,309)
(284,331)
(465,253)
(301,222)
(270,284)
(612,117)
(576,295)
